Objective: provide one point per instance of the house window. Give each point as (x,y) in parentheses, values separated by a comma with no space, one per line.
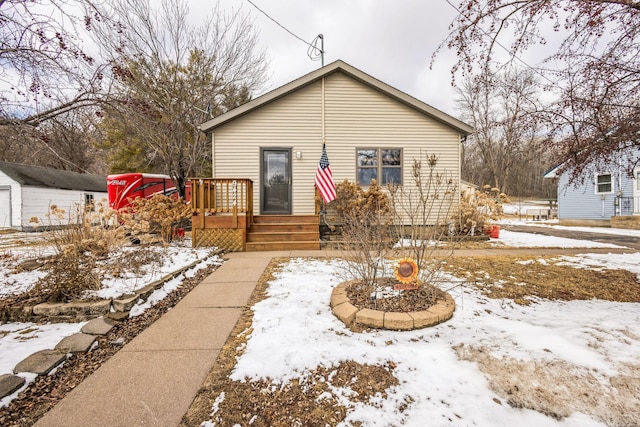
(382,164)
(88,202)
(604,184)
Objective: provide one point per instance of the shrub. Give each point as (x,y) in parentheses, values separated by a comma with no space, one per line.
(71,273)
(80,238)
(83,227)
(477,208)
(422,211)
(159,214)
(365,219)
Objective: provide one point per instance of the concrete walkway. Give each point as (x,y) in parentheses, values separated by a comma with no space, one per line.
(153,379)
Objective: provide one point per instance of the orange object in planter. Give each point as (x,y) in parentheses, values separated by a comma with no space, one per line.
(495,232)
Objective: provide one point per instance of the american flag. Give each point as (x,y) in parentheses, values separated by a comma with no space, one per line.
(324,178)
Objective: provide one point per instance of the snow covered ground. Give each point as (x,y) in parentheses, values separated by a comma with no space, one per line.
(441,381)
(516,239)
(175,256)
(556,356)
(445,372)
(19,340)
(522,208)
(554,224)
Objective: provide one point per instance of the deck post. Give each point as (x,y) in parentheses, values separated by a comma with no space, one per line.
(201,200)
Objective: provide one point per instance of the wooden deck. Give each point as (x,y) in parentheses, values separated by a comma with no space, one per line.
(222,216)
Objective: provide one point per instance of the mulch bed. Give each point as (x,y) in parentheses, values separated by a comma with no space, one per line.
(403,301)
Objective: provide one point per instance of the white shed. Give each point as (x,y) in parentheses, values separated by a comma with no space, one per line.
(28,191)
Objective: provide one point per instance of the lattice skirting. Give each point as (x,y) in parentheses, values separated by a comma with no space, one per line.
(229,239)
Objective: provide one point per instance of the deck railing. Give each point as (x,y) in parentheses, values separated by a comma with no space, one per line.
(222,196)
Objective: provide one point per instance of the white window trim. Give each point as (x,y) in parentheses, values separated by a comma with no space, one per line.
(595,188)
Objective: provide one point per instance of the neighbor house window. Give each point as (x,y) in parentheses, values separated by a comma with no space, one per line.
(604,184)
(382,164)
(88,202)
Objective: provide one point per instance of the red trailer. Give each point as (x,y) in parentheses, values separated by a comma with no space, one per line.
(124,187)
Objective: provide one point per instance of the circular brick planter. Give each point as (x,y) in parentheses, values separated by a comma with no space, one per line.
(398,321)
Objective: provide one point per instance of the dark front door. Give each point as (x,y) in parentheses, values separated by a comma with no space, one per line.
(276,181)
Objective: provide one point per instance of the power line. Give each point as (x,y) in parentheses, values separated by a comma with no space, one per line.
(311,46)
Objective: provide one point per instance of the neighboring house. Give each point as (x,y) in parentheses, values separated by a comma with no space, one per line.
(606,192)
(28,192)
(371,130)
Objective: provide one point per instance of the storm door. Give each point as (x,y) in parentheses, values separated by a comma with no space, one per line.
(276,181)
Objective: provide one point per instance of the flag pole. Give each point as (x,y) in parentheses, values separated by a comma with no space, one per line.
(323,125)
(324,177)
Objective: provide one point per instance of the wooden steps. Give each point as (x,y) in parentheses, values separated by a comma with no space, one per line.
(283,232)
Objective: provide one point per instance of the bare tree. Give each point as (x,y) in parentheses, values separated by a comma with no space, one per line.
(45,68)
(423,214)
(501,107)
(592,76)
(172,76)
(66,141)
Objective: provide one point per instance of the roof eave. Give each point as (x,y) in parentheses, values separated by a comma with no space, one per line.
(552,173)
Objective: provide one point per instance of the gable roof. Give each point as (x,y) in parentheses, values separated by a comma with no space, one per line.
(37,176)
(343,67)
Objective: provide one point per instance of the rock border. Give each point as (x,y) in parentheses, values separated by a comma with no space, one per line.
(44,361)
(77,311)
(350,315)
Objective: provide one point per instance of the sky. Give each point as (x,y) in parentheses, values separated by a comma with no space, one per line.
(390,40)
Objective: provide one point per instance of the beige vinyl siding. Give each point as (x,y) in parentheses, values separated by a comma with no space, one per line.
(291,122)
(356,116)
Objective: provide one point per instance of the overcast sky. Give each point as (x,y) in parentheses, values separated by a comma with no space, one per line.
(392,40)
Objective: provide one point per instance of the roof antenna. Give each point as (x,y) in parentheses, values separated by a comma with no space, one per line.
(314,52)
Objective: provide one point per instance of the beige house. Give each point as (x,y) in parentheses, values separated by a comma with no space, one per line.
(371,130)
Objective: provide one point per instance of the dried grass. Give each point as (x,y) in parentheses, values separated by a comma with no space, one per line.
(557,388)
(523,279)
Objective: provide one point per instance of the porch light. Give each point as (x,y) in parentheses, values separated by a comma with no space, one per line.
(298,155)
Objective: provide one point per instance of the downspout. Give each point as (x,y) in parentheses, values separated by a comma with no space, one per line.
(616,197)
(463,138)
(213,156)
